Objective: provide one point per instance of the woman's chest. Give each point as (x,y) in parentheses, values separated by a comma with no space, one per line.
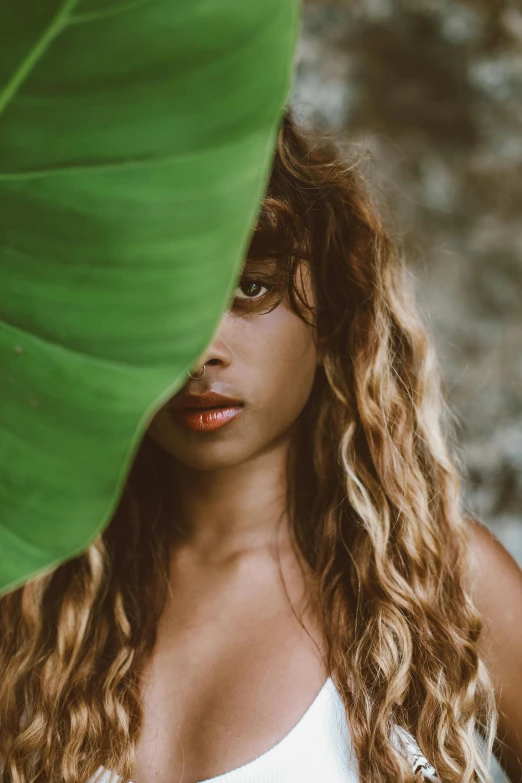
(214,703)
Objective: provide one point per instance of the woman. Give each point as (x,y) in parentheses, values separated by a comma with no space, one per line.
(288,590)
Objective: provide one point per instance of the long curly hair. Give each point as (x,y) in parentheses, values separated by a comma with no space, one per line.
(374,508)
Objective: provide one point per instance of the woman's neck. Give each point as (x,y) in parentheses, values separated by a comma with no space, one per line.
(234,510)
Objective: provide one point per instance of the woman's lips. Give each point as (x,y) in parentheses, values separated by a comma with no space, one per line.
(207,419)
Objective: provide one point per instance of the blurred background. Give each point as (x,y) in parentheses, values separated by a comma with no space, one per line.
(430,93)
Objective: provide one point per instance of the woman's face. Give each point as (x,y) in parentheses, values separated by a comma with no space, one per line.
(267,360)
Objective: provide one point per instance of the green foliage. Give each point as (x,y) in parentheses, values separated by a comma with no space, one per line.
(135,141)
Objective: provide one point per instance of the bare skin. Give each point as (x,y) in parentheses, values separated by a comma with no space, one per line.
(234,669)
(232,673)
(497,592)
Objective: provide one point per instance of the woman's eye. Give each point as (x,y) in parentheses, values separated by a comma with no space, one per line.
(250,290)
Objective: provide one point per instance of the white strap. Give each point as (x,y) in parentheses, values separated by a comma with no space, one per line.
(406,744)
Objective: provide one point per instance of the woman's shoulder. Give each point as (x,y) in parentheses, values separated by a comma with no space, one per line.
(496,578)
(496,590)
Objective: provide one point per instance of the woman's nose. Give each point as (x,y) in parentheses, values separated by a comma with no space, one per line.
(217,351)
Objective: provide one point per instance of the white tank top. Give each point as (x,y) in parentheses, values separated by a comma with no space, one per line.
(317,748)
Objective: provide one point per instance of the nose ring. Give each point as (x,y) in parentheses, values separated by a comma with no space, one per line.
(197,377)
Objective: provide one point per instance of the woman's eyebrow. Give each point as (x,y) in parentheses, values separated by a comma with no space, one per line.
(269,264)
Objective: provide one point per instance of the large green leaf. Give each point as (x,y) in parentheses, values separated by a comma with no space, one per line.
(135,140)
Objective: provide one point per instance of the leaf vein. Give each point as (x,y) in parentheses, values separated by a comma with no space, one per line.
(95,16)
(75,353)
(36,53)
(160,160)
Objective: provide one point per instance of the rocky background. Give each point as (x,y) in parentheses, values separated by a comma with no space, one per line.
(430,94)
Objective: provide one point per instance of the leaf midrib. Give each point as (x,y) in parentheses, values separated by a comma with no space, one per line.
(37,52)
